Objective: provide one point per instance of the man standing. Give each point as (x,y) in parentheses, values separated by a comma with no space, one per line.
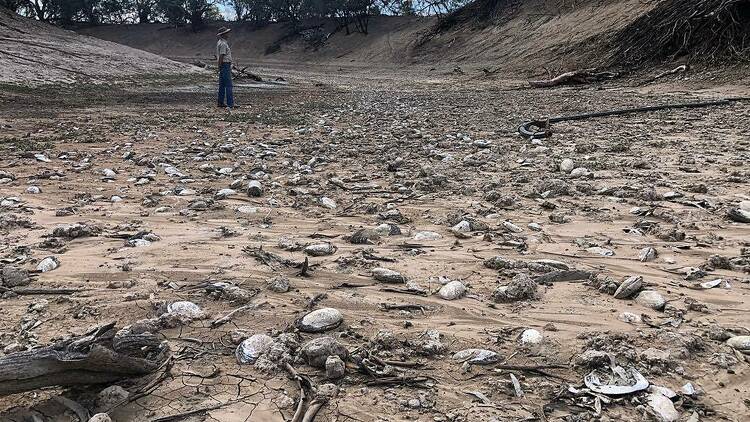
(224,55)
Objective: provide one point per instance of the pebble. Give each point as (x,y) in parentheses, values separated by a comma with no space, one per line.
(11,276)
(462,227)
(335,367)
(279,284)
(316,351)
(579,172)
(111,396)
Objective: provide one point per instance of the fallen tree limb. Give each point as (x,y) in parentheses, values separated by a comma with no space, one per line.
(245,74)
(41,291)
(574,77)
(228,317)
(678,69)
(303,385)
(93,358)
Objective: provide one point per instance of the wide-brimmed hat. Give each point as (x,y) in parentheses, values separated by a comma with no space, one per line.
(223,30)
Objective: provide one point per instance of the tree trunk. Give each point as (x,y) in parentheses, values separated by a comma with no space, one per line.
(100,356)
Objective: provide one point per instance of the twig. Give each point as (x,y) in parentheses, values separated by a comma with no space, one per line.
(405,307)
(228,317)
(41,291)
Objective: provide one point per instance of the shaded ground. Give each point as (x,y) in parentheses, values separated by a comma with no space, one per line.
(374,146)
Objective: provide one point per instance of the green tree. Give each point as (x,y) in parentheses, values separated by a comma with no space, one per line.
(13,5)
(172,11)
(144,10)
(198,12)
(115,11)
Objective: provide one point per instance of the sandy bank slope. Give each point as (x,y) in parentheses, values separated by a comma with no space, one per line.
(33,52)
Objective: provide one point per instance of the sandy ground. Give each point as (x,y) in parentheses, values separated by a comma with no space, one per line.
(33,53)
(387,149)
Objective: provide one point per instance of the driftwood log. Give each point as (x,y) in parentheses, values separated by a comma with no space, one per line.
(100,356)
(575,77)
(243,73)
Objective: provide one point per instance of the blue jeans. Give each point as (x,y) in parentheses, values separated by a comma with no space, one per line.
(225,85)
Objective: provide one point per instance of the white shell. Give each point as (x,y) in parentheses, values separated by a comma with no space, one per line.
(427,235)
(531,336)
(249,350)
(477,356)
(629,287)
(328,203)
(224,193)
(462,227)
(567,165)
(320,249)
(711,284)
(651,299)
(637,382)
(512,227)
(600,251)
(453,290)
(247,209)
(739,342)
(387,276)
(647,254)
(48,264)
(663,407)
(629,317)
(320,320)
(185,309)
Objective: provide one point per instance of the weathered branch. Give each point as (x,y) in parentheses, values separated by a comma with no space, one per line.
(94,358)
